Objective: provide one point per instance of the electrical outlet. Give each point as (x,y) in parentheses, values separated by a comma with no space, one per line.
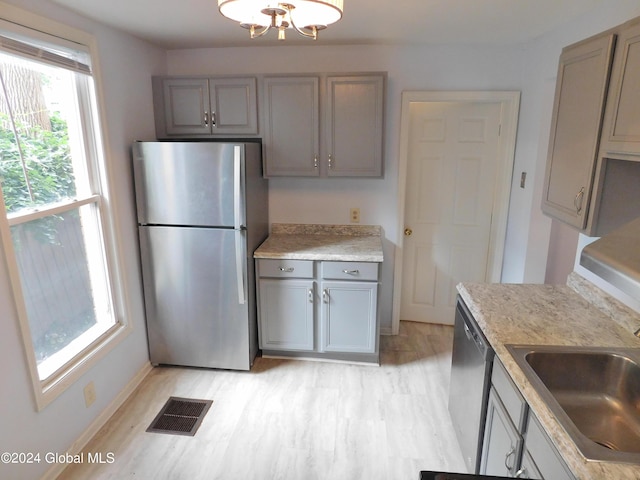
(355,215)
(89,394)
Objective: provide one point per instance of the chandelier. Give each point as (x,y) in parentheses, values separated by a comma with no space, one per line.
(306,17)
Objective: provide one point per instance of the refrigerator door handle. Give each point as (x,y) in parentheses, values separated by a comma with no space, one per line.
(240,266)
(238,193)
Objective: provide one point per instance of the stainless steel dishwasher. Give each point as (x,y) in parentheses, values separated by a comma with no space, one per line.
(471,362)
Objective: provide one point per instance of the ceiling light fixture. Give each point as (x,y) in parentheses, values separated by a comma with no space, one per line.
(306,17)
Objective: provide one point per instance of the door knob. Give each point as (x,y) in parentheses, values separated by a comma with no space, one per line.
(408,232)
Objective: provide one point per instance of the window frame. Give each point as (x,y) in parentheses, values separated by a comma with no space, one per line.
(100,178)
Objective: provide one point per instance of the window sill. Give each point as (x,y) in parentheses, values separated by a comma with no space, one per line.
(46,392)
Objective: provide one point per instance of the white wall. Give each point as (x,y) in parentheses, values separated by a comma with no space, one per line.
(409,68)
(127,65)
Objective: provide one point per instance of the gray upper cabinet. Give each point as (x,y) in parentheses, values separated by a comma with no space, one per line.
(292,126)
(622,121)
(616,197)
(354,126)
(593,166)
(204,107)
(324,125)
(581,90)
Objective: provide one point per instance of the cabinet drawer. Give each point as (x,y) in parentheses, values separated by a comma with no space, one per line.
(350,270)
(511,398)
(285,268)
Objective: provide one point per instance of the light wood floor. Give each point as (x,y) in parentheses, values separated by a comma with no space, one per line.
(295,420)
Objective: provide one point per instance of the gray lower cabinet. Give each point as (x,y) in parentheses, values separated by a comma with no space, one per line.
(286,314)
(286,304)
(545,461)
(349,316)
(349,307)
(322,308)
(505,422)
(528,468)
(515,445)
(503,443)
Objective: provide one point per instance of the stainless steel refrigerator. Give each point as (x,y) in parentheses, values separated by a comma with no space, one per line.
(202,211)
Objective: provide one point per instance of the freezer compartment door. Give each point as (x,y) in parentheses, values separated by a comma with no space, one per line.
(195,314)
(190,183)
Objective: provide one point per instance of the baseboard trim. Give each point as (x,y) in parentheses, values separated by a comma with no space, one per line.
(99,422)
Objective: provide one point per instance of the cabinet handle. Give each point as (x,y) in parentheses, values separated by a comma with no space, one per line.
(330,162)
(315,162)
(351,272)
(579,195)
(522,473)
(206,119)
(213,119)
(287,269)
(506,458)
(310,294)
(325,296)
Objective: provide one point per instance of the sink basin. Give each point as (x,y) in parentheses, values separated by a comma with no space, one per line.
(593,392)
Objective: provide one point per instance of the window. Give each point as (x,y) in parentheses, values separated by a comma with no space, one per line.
(56,235)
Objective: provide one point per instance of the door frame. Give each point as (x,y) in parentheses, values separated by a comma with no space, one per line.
(510,101)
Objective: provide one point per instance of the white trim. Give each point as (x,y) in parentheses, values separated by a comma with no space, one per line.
(111,231)
(42,48)
(510,101)
(20,217)
(100,421)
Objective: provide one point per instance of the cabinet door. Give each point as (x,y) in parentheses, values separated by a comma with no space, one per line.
(186,106)
(502,445)
(349,314)
(286,314)
(528,468)
(233,108)
(581,89)
(354,126)
(622,132)
(292,125)
(544,454)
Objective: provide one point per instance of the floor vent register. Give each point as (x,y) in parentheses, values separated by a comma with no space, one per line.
(180,416)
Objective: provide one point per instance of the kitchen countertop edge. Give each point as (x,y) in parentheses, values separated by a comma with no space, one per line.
(344,243)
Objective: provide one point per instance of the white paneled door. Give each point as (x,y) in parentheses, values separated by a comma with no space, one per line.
(452,164)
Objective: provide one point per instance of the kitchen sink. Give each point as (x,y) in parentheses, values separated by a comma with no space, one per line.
(593,392)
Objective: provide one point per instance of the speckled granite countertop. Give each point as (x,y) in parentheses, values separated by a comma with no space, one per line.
(576,314)
(345,243)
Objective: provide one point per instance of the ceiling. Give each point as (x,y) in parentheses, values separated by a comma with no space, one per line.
(175,24)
